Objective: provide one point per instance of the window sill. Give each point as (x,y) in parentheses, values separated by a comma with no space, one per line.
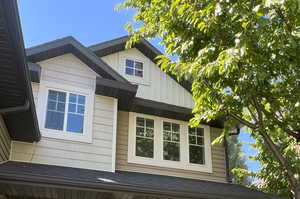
(66,136)
(170,164)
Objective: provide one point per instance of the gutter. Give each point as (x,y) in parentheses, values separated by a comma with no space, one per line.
(16,109)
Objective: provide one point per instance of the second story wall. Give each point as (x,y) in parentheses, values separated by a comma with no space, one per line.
(96,153)
(217,155)
(5,142)
(155,84)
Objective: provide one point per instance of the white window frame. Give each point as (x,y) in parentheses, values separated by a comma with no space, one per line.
(86,136)
(134,68)
(158,159)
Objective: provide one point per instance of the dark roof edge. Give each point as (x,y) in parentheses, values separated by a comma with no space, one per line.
(118,44)
(36,180)
(14,28)
(70,45)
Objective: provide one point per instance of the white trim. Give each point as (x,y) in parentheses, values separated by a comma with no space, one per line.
(86,136)
(114,139)
(158,160)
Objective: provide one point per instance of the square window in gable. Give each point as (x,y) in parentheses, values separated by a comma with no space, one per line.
(134,68)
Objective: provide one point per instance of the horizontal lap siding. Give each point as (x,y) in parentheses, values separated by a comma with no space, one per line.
(96,155)
(218,157)
(4,142)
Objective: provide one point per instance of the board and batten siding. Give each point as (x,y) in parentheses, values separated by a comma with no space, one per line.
(218,157)
(157,86)
(5,142)
(97,155)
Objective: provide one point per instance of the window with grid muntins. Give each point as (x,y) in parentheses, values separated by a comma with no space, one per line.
(144,137)
(134,68)
(65,111)
(196,145)
(171,141)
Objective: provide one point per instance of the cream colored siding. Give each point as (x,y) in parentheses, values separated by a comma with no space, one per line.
(4,142)
(218,157)
(157,86)
(97,155)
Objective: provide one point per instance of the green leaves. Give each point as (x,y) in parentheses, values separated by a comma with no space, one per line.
(242,57)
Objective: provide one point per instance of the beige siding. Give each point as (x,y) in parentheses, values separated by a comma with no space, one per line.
(4,142)
(218,157)
(97,155)
(157,86)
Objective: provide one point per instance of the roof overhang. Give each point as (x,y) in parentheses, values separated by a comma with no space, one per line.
(16,104)
(118,44)
(46,181)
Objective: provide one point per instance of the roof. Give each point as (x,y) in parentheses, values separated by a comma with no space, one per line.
(16,104)
(71,45)
(118,44)
(38,175)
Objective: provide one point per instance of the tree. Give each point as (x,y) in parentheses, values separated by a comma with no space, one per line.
(242,58)
(237,161)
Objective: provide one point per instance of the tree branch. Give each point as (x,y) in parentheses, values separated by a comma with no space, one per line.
(241,120)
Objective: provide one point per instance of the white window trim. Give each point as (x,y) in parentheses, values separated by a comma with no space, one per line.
(86,136)
(158,160)
(145,80)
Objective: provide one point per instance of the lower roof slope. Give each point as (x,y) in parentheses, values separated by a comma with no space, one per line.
(122,181)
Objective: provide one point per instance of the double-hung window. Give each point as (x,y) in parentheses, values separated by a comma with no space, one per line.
(171,137)
(196,145)
(134,68)
(168,143)
(65,112)
(144,137)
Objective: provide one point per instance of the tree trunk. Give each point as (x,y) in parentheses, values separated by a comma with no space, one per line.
(294,184)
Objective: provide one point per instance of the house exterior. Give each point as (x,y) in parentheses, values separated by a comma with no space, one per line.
(101,122)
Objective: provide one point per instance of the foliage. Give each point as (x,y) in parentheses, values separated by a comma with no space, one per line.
(237,161)
(242,58)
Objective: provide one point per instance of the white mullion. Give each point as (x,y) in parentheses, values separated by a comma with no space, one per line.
(66,111)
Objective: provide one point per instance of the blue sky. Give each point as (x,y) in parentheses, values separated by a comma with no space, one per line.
(90,22)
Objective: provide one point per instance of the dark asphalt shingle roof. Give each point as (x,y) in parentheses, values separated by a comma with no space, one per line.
(132,181)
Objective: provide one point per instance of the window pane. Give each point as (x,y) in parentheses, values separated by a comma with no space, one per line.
(72,108)
(192,139)
(200,131)
(52,95)
(54,120)
(61,97)
(171,151)
(196,154)
(192,131)
(175,127)
(75,123)
(129,63)
(175,137)
(61,107)
(149,133)
(140,121)
(80,109)
(139,65)
(51,105)
(138,73)
(200,141)
(72,98)
(129,71)
(81,99)
(55,110)
(140,131)
(167,126)
(167,135)
(144,147)
(149,123)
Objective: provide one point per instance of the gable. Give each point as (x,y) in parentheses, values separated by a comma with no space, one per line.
(156,84)
(68,69)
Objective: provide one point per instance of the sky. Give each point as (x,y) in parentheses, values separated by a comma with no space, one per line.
(90,22)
